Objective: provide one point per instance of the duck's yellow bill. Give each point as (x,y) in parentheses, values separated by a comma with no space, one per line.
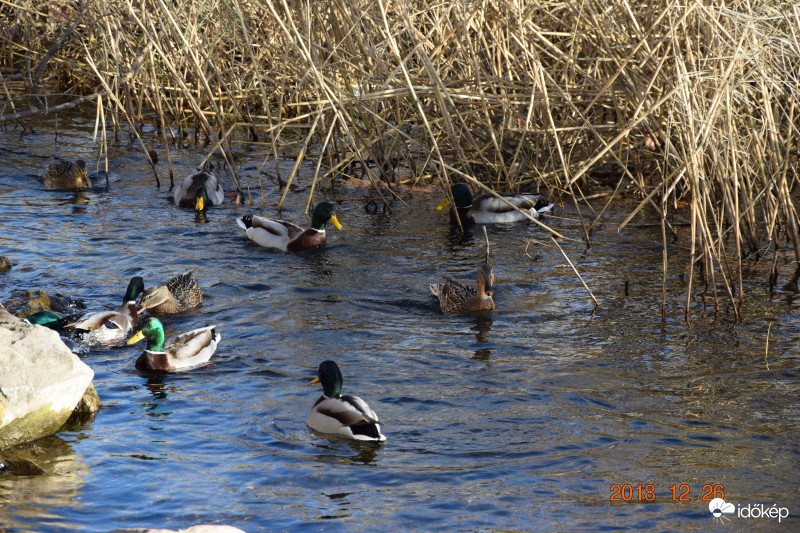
(199,205)
(315,380)
(444,204)
(140,311)
(136,338)
(335,222)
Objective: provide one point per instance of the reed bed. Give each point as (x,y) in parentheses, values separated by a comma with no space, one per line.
(693,105)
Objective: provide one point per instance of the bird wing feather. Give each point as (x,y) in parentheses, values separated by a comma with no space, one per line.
(190,344)
(94,321)
(345,410)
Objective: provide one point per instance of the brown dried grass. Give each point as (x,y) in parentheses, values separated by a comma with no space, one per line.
(690,103)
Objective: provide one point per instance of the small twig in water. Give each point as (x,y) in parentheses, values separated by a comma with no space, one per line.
(766,348)
(486,235)
(596,304)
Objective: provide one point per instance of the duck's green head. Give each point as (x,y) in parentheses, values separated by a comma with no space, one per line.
(135,288)
(153,331)
(50,319)
(323,214)
(331,379)
(462,196)
(201,200)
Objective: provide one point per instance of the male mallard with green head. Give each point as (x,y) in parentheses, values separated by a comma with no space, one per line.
(348,416)
(286,236)
(63,174)
(200,190)
(184,351)
(488,209)
(179,294)
(108,327)
(49,319)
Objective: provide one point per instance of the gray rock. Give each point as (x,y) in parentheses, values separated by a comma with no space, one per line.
(41,383)
(202,528)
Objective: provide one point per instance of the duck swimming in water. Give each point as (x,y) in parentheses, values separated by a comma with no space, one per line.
(109,327)
(455,298)
(200,190)
(271,233)
(347,416)
(488,209)
(179,294)
(63,174)
(179,353)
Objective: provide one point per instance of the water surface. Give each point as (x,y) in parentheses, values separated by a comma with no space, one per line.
(521,419)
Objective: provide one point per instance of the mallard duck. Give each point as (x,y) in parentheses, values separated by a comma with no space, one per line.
(348,416)
(63,174)
(286,236)
(455,298)
(200,190)
(184,351)
(488,209)
(179,294)
(49,319)
(106,327)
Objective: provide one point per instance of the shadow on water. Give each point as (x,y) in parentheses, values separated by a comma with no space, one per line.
(345,451)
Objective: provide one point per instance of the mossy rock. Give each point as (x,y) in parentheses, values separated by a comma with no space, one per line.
(24,303)
(41,381)
(5,264)
(34,425)
(86,409)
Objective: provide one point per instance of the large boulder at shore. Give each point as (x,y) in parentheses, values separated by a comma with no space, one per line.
(41,381)
(203,528)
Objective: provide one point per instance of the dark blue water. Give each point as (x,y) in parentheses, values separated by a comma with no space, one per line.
(520,420)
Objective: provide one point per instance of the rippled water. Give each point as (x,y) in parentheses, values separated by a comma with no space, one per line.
(523,419)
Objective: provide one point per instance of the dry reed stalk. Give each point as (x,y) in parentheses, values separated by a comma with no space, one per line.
(585,286)
(100,121)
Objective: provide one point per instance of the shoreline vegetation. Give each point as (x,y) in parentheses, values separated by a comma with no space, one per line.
(692,105)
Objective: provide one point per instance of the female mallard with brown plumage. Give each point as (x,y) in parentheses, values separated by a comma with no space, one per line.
(63,174)
(179,294)
(348,416)
(488,209)
(179,353)
(286,236)
(455,298)
(200,190)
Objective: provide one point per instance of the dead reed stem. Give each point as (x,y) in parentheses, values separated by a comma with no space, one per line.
(585,286)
